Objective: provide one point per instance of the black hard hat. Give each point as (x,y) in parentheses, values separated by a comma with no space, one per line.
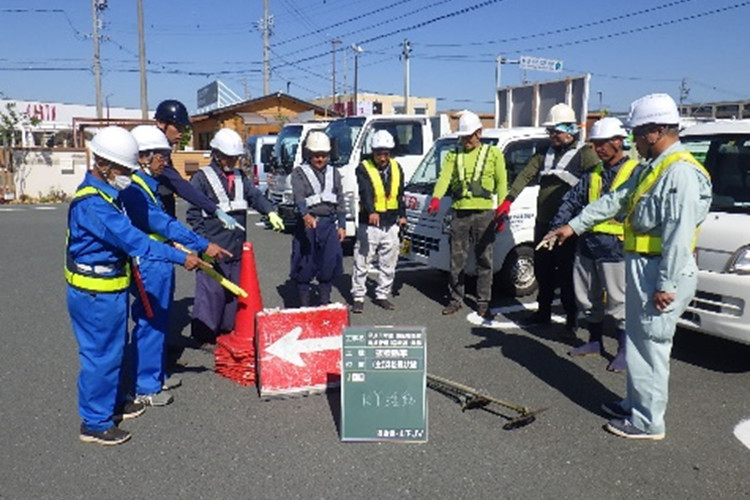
(172,111)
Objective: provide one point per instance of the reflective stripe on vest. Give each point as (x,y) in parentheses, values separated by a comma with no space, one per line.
(381,201)
(89,280)
(320,194)
(239,203)
(560,169)
(137,179)
(647,243)
(473,188)
(611,226)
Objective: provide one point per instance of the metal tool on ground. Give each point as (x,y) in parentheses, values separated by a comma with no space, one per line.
(141,289)
(470,398)
(215,275)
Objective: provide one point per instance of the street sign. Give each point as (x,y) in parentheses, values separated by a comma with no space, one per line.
(383,384)
(541,64)
(299,350)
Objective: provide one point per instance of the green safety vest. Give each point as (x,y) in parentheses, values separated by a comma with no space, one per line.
(647,243)
(611,226)
(90,281)
(382,201)
(464,188)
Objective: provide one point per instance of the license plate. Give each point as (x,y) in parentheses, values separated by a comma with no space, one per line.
(405,247)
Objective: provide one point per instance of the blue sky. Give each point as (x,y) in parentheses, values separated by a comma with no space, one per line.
(631,48)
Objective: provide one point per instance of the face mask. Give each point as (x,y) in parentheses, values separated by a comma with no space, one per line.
(148,171)
(120,182)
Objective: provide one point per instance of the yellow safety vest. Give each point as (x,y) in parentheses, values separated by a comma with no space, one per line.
(138,180)
(382,202)
(611,226)
(93,282)
(647,243)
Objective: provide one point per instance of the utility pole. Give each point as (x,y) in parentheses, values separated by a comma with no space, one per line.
(333,73)
(684,91)
(407,50)
(266,24)
(357,51)
(142,62)
(96,7)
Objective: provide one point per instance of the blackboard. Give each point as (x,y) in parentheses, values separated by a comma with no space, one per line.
(383,384)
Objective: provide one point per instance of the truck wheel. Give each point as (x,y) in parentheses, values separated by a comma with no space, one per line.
(516,278)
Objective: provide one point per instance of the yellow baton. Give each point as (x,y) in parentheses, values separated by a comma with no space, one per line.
(214,274)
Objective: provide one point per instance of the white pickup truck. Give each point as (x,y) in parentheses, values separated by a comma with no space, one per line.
(721,306)
(350,142)
(427,237)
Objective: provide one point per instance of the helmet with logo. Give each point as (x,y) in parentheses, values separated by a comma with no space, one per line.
(382,139)
(560,114)
(607,128)
(150,138)
(172,111)
(228,142)
(116,145)
(318,141)
(653,109)
(468,123)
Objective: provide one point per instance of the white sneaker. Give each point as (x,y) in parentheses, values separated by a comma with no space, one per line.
(156,399)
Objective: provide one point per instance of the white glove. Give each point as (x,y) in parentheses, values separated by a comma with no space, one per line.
(227,220)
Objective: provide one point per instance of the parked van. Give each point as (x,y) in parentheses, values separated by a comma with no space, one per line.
(350,143)
(259,149)
(721,306)
(427,237)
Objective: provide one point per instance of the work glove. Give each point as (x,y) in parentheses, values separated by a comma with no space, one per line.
(227,220)
(434,206)
(277,223)
(501,215)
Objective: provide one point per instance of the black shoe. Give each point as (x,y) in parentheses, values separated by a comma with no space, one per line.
(129,410)
(111,437)
(357,307)
(385,304)
(451,308)
(535,319)
(484,311)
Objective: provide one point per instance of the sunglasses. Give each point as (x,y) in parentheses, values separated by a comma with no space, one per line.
(318,154)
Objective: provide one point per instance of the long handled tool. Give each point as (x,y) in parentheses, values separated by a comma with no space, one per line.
(215,275)
(141,289)
(469,398)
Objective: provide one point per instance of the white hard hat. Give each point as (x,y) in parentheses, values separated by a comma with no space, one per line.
(468,123)
(382,139)
(607,128)
(150,138)
(116,145)
(559,114)
(228,142)
(318,142)
(656,109)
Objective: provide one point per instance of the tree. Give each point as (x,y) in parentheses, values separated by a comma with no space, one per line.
(11,122)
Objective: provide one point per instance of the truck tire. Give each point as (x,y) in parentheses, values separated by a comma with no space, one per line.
(516,278)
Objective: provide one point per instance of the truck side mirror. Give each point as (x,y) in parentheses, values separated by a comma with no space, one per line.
(334,155)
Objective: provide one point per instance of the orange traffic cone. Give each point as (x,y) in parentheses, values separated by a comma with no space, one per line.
(248,307)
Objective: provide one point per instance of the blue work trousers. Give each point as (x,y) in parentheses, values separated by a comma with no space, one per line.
(316,253)
(150,335)
(649,338)
(215,306)
(99,323)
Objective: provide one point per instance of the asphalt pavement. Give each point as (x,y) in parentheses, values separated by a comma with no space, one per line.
(220,440)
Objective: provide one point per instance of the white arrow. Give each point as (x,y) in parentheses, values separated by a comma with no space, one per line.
(289,347)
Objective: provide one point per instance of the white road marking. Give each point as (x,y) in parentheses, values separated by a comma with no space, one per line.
(742,432)
(475,319)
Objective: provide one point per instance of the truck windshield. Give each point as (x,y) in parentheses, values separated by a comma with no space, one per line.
(727,159)
(345,132)
(427,172)
(288,140)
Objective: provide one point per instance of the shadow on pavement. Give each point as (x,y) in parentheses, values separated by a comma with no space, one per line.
(711,353)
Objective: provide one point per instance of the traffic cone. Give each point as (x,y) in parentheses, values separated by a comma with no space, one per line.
(248,307)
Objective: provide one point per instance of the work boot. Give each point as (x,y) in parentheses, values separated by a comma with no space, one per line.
(304,297)
(619,364)
(358,306)
(484,311)
(593,346)
(385,304)
(451,308)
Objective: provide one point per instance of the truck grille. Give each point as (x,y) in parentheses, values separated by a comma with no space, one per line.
(423,245)
(715,303)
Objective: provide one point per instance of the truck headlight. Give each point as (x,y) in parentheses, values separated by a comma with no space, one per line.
(740,261)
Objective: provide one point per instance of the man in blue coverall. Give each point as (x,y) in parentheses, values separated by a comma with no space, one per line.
(100,242)
(147,213)
(172,119)
(663,203)
(214,309)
